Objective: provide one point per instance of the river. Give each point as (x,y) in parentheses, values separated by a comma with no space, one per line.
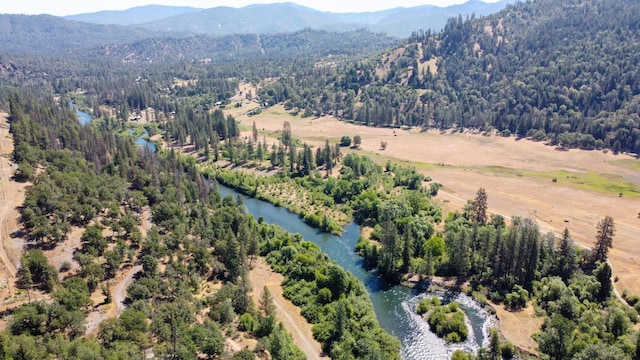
(143,140)
(85,118)
(394,305)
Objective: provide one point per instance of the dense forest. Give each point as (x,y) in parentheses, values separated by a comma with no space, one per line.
(102,183)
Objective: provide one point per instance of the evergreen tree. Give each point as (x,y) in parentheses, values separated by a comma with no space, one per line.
(567,257)
(603,276)
(254,133)
(479,214)
(266,302)
(389,252)
(604,239)
(406,249)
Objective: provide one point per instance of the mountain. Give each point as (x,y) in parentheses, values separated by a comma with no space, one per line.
(136,15)
(288,17)
(403,22)
(561,71)
(305,43)
(253,19)
(45,34)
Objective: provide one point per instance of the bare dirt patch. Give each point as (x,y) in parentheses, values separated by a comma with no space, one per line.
(518,326)
(515,174)
(262,275)
(11,198)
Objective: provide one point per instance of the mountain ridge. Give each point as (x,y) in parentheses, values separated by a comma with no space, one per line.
(49,34)
(288,17)
(130,16)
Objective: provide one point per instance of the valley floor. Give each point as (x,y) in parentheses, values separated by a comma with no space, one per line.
(517,175)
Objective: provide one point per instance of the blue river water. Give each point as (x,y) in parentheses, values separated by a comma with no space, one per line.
(85,118)
(394,305)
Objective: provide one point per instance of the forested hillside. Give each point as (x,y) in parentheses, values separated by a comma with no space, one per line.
(562,71)
(290,46)
(45,34)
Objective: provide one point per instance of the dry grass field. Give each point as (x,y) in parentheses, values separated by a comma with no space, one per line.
(518,176)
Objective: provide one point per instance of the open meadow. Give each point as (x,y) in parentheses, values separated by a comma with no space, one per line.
(572,189)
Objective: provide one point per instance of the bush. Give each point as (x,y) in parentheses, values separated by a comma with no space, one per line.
(446,321)
(247,322)
(508,350)
(65,266)
(345,141)
(460,355)
(244,354)
(633,300)
(423,306)
(517,298)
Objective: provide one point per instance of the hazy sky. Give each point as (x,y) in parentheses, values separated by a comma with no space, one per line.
(71,7)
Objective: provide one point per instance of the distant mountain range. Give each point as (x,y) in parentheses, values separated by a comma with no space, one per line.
(46,34)
(286,17)
(133,16)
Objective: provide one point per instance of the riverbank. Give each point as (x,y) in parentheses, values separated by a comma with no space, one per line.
(393,304)
(287,313)
(463,162)
(284,192)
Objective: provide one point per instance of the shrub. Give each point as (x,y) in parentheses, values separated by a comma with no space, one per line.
(423,306)
(446,321)
(247,322)
(65,266)
(517,298)
(345,141)
(460,355)
(508,350)
(633,300)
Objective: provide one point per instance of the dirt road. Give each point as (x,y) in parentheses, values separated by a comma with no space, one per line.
(120,291)
(287,313)
(11,197)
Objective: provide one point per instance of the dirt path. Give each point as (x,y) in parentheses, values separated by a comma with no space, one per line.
(120,290)
(260,276)
(12,196)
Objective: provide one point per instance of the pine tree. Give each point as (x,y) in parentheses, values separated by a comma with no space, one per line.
(286,134)
(406,250)
(604,239)
(389,252)
(480,208)
(254,133)
(266,302)
(567,261)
